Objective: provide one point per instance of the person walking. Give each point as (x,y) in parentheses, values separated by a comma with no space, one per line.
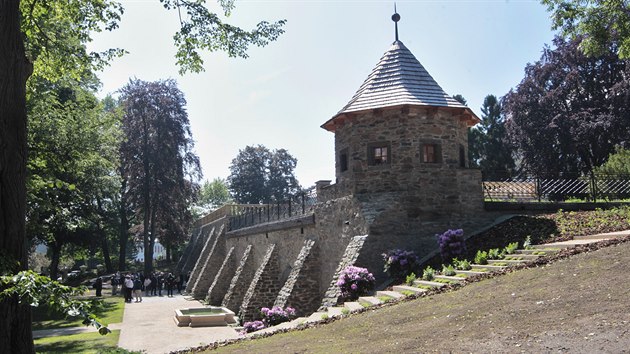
(128,288)
(137,289)
(170,284)
(115,282)
(98,286)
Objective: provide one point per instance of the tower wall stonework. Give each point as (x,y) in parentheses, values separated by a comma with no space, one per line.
(201,258)
(301,290)
(221,282)
(264,287)
(210,266)
(240,281)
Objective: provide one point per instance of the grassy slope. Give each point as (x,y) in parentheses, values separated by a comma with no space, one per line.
(112,312)
(578,304)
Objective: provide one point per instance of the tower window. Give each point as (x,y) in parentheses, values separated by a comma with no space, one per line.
(343,160)
(430,153)
(379,154)
(462,156)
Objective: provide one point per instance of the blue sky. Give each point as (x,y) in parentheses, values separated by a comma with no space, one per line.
(282,93)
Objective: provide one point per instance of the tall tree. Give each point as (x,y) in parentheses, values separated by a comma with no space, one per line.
(495,153)
(56,33)
(474,138)
(570,110)
(258,175)
(212,195)
(602,24)
(72,163)
(160,165)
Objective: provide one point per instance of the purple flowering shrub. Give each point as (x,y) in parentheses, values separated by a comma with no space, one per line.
(452,244)
(400,263)
(354,282)
(276,315)
(253,326)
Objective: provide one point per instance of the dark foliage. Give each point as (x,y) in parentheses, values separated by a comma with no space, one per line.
(570,110)
(258,175)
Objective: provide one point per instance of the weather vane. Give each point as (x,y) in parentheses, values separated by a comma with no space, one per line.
(396,18)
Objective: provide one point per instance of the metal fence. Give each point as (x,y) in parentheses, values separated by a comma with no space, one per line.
(250,215)
(504,186)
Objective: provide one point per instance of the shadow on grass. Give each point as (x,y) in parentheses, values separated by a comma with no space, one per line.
(109,311)
(91,342)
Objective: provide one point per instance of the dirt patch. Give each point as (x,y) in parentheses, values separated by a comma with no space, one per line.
(577,304)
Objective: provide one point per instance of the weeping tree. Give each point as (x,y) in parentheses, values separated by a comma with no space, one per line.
(160,166)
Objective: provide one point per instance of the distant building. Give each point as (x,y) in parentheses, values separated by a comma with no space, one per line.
(159,252)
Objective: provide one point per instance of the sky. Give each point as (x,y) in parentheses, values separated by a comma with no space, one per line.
(281,95)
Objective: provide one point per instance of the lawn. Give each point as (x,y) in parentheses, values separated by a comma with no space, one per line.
(111,312)
(91,342)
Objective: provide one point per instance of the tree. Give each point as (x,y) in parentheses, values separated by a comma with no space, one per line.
(493,153)
(160,165)
(72,183)
(212,195)
(618,163)
(474,138)
(55,34)
(258,175)
(603,24)
(570,110)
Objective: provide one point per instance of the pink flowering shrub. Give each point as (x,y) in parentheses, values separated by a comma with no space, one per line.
(253,326)
(452,244)
(399,263)
(276,315)
(354,282)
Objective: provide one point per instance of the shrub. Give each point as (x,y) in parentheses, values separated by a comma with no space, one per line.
(461,265)
(410,279)
(400,263)
(495,253)
(527,244)
(354,282)
(511,248)
(481,257)
(428,273)
(276,315)
(448,270)
(451,244)
(253,326)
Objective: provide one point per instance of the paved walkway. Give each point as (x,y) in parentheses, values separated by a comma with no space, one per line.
(149,326)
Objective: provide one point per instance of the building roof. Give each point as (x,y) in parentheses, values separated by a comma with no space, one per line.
(398,79)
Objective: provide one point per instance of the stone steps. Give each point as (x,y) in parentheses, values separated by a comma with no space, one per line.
(429,283)
(449,278)
(404,288)
(505,261)
(487,267)
(391,294)
(353,306)
(469,272)
(368,301)
(335,311)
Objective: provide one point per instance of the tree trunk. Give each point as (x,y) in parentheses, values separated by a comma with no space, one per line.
(54,261)
(105,249)
(123,236)
(15,318)
(168,251)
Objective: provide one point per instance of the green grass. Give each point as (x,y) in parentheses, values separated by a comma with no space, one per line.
(425,287)
(461,275)
(111,312)
(445,281)
(407,292)
(91,342)
(385,298)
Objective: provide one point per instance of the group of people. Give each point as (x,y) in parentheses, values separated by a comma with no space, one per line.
(133,284)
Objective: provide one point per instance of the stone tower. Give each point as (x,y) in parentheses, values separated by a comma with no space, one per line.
(401,133)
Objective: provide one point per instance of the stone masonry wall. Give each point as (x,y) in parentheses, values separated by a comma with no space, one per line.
(195,233)
(210,266)
(301,290)
(263,289)
(221,281)
(206,247)
(198,244)
(240,281)
(349,258)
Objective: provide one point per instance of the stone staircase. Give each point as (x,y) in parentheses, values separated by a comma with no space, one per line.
(520,256)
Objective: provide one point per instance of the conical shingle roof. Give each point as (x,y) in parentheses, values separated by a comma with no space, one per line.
(398,79)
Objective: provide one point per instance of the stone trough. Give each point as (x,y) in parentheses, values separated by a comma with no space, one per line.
(204,317)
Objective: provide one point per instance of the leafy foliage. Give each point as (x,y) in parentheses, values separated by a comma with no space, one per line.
(618,162)
(448,270)
(34,289)
(488,140)
(511,248)
(451,244)
(400,263)
(159,162)
(410,279)
(601,23)
(461,265)
(428,273)
(570,110)
(354,282)
(258,175)
(481,257)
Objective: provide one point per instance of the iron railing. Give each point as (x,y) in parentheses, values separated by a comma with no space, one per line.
(593,187)
(254,214)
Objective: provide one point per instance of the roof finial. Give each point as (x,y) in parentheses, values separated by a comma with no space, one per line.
(396,18)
